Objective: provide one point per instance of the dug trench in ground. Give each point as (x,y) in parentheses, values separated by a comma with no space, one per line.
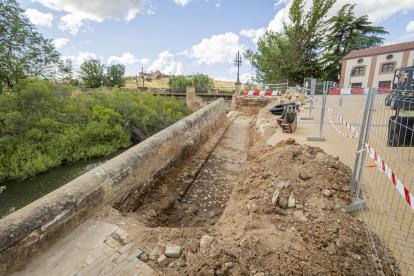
(284,217)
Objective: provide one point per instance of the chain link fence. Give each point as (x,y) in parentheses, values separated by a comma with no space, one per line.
(372,132)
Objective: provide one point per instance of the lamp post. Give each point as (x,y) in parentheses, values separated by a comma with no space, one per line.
(238,63)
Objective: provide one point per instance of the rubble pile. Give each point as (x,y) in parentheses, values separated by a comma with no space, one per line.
(292,96)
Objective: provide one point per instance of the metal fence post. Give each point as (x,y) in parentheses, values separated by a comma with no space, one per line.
(361,138)
(312,94)
(320,137)
(368,127)
(340,101)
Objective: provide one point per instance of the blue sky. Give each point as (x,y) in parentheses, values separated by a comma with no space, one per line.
(184,36)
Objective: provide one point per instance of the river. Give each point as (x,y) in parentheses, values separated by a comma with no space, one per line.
(21,193)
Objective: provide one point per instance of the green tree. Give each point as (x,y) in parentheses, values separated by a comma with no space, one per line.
(24,52)
(180,81)
(115,75)
(292,54)
(345,34)
(92,72)
(202,81)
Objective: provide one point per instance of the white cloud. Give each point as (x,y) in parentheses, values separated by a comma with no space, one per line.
(38,18)
(406,37)
(182,2)
(77,60)
(233,69)
(387,42)
(282,16)
(94,10)
(280,2)
(410,27)
(218,5)
(245,77)
(60,42)
(125,59)
(377,11)
(71,22)
(218,49)
(150,10)
(166,64)
(145,61)
(254,34)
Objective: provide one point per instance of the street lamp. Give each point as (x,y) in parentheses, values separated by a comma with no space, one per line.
(238,63)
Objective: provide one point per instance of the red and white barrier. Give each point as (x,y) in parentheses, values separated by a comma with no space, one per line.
(379,162)
(260,93)
(345,123)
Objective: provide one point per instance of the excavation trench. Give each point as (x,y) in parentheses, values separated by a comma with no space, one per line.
(198,195)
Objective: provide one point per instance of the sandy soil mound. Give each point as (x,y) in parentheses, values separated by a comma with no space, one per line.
(292,96)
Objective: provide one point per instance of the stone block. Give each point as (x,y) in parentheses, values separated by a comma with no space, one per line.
(162,260)
(172,251)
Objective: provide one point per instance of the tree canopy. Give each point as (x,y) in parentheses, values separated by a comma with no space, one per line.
(24,52)
(197,80)
(311,45)
(92,72)
(115,75)
(345,34)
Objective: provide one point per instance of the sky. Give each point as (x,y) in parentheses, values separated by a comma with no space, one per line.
(185,36)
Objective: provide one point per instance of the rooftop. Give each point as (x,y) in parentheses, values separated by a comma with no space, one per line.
(400,47)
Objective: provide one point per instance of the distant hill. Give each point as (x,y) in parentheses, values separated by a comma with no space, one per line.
(163,83)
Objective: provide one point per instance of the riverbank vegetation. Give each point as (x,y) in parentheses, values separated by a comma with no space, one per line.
(44,125)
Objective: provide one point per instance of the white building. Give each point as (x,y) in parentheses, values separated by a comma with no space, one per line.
(375,67)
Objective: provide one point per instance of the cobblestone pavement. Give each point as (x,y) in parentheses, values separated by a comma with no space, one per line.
(94,248)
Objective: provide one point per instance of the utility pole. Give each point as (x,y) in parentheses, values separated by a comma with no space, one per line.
(142,78)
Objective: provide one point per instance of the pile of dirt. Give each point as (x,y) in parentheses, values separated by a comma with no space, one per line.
(285,216)
(292,96)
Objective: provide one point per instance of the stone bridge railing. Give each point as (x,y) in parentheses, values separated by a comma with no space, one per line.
(32,229)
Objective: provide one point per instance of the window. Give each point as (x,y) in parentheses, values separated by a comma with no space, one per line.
(390,57)
(359,70)
(356,85)
(384,84)
(388,67)
(360,61)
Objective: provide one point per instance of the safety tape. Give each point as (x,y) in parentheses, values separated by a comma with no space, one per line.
(345,123)
(379,162)
(261,93)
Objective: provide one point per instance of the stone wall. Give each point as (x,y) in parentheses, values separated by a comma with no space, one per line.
(32,229)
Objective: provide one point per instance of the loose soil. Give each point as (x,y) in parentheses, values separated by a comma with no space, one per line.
(283,216)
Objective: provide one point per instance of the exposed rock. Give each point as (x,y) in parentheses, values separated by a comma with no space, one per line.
(305,176)
(326,192)
(205,241)
(332,249)
(299,215)
(172,250)
(291,202)
(275,197)
(144,257)
(162,260)
(228,265)
(155,253)
(283,203)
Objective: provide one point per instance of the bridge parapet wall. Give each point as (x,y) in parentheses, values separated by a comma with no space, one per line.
(30,230)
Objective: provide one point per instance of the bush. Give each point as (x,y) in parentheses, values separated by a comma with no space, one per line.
(43,126)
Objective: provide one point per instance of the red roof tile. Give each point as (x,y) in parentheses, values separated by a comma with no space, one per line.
(400,47)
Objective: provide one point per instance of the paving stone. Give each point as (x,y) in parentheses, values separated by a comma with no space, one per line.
(147,270)
(126,248)
(172,250)
(131,265)
(104,247)
(136,254)
(90,259)
(162,260)
(106,265)
(118,267)
(122,257)
(89,268)
(97,253)
(120,232)
(124,236)
(111,242)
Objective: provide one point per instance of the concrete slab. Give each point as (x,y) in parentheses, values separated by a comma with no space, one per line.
(305,118)
(70,251)
(315,138)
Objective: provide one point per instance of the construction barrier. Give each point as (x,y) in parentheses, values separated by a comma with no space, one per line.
(379,162)
(359,90)
(335,91)
(261,93)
